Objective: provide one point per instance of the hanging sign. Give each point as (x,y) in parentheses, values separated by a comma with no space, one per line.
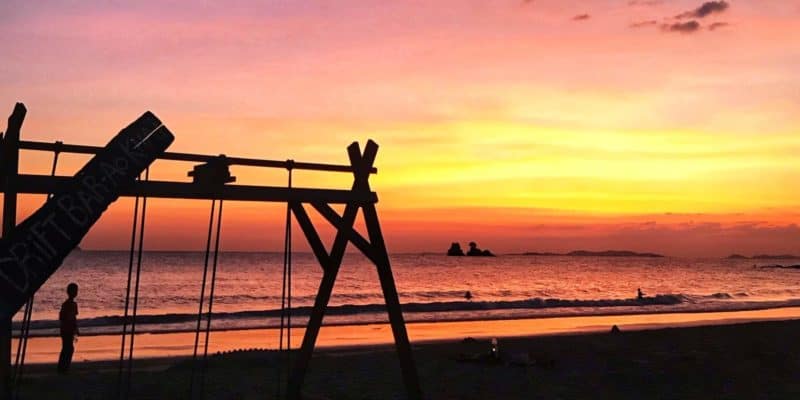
(35,249)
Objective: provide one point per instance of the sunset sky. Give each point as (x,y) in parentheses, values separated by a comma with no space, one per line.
(655,125)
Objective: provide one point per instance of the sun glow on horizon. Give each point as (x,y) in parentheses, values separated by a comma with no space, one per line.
(505,121)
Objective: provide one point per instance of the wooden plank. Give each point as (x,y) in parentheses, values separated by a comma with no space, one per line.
(42,184)
(407,365)
(10,165)
(32,251)
(362,244)
(250,162)
(311,234)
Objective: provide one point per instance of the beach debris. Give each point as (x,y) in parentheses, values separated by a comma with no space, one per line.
(542,360)
(478,358)
(532,359)
(521,360)
(491,357)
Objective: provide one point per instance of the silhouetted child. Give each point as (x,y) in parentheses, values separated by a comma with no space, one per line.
(639,294)
(68,318)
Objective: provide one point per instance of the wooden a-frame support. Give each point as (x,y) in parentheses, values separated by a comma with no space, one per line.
(374,249)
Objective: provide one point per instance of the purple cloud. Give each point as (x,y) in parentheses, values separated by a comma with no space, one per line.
(717,25)
(708,8)
(682,27)
(645,2)
(642,24)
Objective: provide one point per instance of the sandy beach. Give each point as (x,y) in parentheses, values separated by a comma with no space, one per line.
(106,347)
(562,358)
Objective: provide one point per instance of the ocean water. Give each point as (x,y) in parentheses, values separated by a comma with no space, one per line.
(432,288)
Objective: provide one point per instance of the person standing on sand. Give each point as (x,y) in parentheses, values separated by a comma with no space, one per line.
(68,319)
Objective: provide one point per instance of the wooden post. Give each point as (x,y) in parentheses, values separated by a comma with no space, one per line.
(10,169)
(330,265)
(401,342)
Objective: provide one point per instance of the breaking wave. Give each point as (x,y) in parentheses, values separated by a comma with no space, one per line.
(355,310)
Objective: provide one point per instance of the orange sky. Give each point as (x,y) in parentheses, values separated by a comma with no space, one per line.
(525,125)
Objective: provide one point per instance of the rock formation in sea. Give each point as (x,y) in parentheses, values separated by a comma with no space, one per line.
(455,250)
(474,250)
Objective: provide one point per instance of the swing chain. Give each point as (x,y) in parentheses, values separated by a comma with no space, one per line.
(210,298)
(25,328)
(286,290)
(138,222)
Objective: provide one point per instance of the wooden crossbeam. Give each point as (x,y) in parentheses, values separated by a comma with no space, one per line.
(172,156)
(41,184)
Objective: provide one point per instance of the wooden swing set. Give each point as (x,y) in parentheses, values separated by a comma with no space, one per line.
(31,251)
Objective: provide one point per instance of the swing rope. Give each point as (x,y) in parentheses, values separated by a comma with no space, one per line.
(136,286)
(127,295)
(202,297)
(135,280)
(25,328)
(205,281)
(211,301)
(286,291)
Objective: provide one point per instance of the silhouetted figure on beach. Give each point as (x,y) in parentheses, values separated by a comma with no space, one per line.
(639,294)
(474,250)
(468,295)
(455,250)
(68,319)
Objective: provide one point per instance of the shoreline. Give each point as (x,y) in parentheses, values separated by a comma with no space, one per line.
(611,311)
(731,361)
(43,350)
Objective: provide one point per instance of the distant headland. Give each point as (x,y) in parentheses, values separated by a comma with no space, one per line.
(606,253)
(764,257)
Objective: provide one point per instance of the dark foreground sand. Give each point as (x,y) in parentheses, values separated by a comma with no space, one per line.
(746,361)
